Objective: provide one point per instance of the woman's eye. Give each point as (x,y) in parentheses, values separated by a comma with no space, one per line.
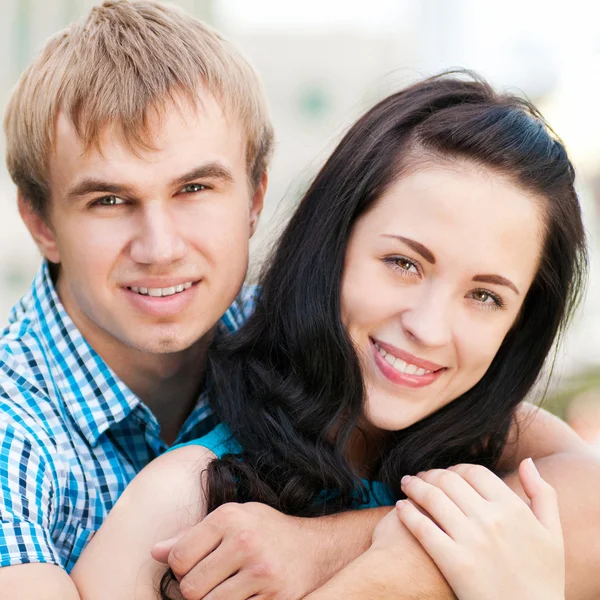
(109,201)
(406,265)
(192,188)
(487,298)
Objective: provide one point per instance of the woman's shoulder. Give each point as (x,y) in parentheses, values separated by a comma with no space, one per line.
(219,441)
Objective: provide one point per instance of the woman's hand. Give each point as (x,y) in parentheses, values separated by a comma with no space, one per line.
(486,541)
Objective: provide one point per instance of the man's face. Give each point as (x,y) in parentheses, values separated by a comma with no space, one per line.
(152,247)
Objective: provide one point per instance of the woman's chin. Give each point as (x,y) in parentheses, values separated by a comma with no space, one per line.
(383,417)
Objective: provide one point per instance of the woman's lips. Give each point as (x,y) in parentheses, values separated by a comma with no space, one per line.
(402,368)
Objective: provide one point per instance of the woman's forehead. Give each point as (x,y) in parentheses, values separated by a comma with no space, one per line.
(463,213)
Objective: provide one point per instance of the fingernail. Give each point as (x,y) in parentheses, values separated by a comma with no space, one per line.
(400,504)
(405,479)
(421,473)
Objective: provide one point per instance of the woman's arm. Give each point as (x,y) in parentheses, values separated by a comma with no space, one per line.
(163,499)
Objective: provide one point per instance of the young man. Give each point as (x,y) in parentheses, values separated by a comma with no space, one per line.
(139,142)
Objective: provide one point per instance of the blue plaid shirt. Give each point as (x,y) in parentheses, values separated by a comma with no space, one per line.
(72,435)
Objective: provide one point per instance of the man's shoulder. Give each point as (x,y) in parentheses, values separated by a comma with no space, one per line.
(23,360)
(27,405)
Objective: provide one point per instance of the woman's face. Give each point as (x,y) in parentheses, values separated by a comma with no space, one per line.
(435,275)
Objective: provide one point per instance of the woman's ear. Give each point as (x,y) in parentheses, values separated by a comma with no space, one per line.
(39,227)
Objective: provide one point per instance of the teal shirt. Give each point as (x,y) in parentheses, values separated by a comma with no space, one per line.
(220,441)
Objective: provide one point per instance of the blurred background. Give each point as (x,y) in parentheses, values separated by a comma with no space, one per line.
(323,62)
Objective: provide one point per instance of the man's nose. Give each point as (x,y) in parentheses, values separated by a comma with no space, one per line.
(158,240)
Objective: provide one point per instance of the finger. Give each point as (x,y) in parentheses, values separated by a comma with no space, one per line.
(468,500)
(435,542)
(442,509)
(542,495)
(209,574)
(487,484)
(160,551)
(193,547)
(241,586)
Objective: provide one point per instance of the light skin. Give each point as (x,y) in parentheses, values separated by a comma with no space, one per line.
(447,254)
(183,211)
(434,317)
(170,216)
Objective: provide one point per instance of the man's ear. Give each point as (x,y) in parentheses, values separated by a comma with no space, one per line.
(258,202)
(39,228)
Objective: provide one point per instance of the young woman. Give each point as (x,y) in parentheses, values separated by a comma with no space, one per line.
(406,313)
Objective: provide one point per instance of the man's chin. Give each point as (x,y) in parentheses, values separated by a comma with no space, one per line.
(163,345)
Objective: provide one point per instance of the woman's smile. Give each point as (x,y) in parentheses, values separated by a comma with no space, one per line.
(403,368)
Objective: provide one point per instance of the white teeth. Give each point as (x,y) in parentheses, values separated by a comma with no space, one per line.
(400,365)
(161,292)
(411,369)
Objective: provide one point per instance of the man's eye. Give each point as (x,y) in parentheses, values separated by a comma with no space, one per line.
(109,201)
(192,188)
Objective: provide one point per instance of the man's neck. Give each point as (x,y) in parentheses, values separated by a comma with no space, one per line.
(169,384)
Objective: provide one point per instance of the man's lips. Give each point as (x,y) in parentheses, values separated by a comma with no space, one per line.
(162,301)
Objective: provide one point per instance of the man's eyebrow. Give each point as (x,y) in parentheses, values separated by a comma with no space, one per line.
(212,170)
(91,184)
(416,246)
(498,280)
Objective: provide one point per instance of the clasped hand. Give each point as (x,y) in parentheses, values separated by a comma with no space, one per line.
(488,543)
(241,551)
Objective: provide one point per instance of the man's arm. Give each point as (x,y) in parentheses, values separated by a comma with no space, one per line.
(29,563)
(395,566)
(302,554)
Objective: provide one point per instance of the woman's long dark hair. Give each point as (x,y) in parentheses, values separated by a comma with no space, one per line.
(289,385)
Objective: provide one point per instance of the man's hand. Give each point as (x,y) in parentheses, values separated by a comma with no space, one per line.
(242,551)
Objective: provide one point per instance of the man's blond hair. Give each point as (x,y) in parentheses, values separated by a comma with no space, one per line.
(123,60)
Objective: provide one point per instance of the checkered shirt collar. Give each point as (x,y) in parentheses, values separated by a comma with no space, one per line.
(93,395)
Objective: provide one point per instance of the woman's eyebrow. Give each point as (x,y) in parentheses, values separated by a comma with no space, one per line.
(416,246)
(498,280)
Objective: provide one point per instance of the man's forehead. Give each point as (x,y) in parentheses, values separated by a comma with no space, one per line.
(181,136)
(201,115)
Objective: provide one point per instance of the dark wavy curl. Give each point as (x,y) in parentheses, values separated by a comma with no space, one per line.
(289,385)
